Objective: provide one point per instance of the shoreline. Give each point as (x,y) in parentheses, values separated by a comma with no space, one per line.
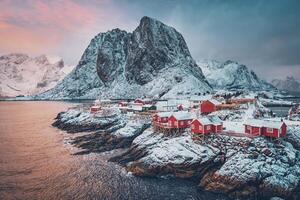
(151,154)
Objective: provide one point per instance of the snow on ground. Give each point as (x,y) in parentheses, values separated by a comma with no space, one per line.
(178,150)
(130,129)
(273,164)
(77,117)
(237,127)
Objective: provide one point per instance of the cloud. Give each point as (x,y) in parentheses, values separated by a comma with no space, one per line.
(262,34)
(40,26)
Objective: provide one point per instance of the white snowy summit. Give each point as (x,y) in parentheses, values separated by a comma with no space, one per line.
(232,75)
(289,84)
(153,60)
(23,75)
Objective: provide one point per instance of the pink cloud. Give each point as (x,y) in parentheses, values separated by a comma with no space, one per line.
(35,26)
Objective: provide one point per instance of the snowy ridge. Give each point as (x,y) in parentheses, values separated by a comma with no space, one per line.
(231,75)
(289,84)
(23,75)
(153,60)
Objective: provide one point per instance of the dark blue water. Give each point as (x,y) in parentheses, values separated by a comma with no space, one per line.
(36,163)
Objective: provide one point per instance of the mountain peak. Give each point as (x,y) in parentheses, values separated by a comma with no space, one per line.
(153,60)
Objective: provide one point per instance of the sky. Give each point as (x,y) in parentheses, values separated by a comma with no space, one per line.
(262,34)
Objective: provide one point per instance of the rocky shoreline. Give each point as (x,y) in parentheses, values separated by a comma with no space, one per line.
(240,167)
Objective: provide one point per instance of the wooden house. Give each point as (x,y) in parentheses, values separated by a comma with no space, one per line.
(266,128)
(206,125)
(180,120)
(95,109)
(209,106)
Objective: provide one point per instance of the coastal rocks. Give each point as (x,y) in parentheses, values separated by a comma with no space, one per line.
(293,136)
(237,166)
(105,141)
(74,121)
(153,154)
(107,131)
(270,172)
(240,167)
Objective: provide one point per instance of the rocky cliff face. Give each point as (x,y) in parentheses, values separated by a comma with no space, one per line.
(232,75)
(289,84)
(23,75)
(153,60)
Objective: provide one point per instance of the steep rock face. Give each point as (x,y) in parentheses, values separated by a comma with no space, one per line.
(23,75)
(289,84)
(152,60)
(232,75)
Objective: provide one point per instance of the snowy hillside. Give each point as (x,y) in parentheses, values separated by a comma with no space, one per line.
(231,75)
(289,84)
(153,60)
(23,75)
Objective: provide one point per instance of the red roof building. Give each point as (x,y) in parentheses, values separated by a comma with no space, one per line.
(209,106)
(94,109)
(206,125)
(180,120)
(266,128)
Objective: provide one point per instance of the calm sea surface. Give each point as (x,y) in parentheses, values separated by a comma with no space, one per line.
(37,163)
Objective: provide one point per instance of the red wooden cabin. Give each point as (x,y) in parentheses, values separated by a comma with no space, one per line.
(94,109)
(161,119)
(267,128)
(180,120)
(205,125)
(209,106)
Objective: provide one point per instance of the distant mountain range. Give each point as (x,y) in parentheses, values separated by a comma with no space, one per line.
(232,75)
(289,84)
(24,75)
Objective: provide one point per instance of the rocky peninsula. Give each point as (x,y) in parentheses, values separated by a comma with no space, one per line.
(240,167)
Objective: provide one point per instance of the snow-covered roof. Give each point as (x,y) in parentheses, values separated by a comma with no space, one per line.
(137,108)
(182,115)
(147,106)
(263,123)
(214,101)
(96,107)
(164,114)
(214,120)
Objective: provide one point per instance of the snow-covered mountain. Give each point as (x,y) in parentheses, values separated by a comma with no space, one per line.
(232,75)
(153,60)
(23,75)
(289,84)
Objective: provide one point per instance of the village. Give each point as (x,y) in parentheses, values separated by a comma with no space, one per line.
(202,115)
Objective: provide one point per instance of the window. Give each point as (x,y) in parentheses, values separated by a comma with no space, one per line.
(269,130)
(193,126)
(208,127)
(175,123)
(182,123)
(200,127)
